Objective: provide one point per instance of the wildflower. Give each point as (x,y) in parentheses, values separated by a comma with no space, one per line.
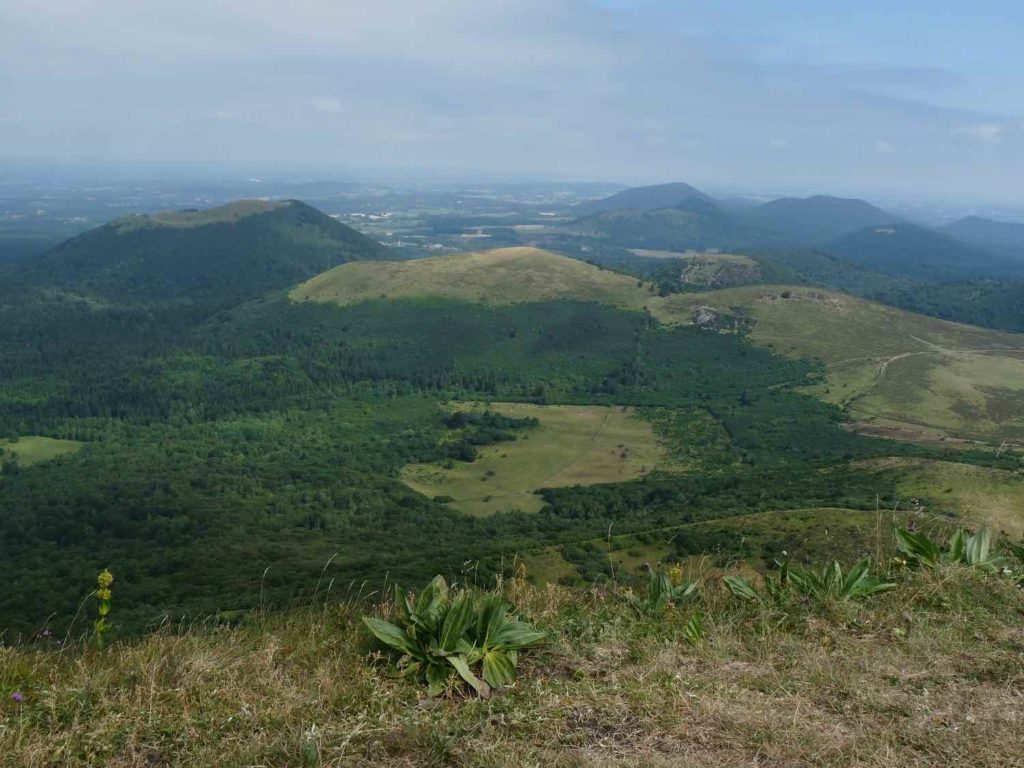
(103,597)
(105,579)
(18,697)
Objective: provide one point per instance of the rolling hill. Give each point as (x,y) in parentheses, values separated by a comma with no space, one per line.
(924,377)
(694,224)
(816,219)
(699,222)
(642,198)
(500,276)
(279,431)
(1002,235)
(229,253)
(906,375)
(921,253)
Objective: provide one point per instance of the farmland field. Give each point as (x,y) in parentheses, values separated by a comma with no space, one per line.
(574,445)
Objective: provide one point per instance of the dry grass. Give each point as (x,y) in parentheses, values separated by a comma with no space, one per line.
(929,675)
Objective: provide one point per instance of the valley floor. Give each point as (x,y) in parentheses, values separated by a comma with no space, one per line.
(931,674)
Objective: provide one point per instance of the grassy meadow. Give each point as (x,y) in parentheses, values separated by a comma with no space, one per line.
(983,495)
(573,445)
(33,449)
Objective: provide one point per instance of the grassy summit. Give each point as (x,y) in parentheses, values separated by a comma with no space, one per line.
(500,276)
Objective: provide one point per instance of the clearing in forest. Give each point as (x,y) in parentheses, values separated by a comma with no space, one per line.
(33,449)
(573,445)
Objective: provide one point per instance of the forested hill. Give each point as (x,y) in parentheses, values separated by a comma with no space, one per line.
(816,219)
(1004,235)
(922,254)
(224,254)
(643,199)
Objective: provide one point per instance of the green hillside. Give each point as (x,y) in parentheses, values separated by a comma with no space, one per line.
(929,376)
(225,254)
(816,219)
(500,276)
(920,253)
(995,304)
(695,224)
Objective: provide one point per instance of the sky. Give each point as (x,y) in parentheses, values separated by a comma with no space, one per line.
(801,95)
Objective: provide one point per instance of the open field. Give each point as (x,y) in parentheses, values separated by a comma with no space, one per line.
(574,445)
(501,276)
(883,363)
(32,449)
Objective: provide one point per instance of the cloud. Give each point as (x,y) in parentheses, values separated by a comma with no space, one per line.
(984,132)
(564,88)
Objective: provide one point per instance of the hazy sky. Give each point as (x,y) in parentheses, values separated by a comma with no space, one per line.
(799,94)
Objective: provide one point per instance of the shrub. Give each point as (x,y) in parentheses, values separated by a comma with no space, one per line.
(661,592)
(973,550)
(828,584)
(443,633)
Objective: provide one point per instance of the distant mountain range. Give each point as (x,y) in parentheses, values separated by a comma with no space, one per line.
(852,229)
(684,217)
(989,233)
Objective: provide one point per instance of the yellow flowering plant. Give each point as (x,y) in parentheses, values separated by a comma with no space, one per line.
(103,597)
